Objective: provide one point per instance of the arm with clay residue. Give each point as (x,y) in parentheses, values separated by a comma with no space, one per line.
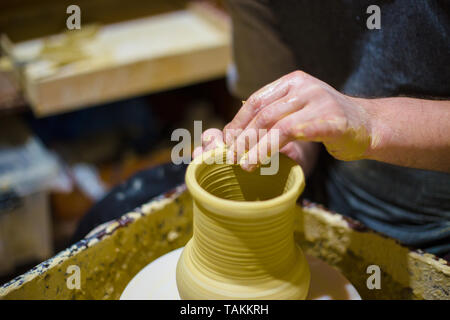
(410,132)
(402,131)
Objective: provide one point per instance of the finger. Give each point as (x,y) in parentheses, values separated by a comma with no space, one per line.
(211,138)
(197,151)
(253,105)
(268,145)
(291,151)
(264,119)
(301,125)
(267,117)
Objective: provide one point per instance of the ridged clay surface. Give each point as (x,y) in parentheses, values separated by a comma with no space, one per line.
(243,244)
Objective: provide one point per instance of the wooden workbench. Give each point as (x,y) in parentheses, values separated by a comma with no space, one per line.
(102,63)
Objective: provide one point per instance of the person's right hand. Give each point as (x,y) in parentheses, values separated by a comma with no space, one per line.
(211,138)
(298,107)
(302,109)
(303,152)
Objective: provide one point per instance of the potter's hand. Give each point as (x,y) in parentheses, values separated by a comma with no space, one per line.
(211,138)
(301,108)
(303,152)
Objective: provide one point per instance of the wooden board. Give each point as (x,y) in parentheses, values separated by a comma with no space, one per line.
(98,64)
(30,19)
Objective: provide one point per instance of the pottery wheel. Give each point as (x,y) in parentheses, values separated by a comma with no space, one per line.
(157,281)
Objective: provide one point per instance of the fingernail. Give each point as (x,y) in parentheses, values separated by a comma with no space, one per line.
(248,167)
(245,163)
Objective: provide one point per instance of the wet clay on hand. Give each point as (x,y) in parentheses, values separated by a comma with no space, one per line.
(243,243)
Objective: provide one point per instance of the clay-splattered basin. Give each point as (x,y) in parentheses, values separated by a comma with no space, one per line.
(115,252)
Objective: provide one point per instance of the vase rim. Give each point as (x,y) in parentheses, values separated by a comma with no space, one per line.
(234,207)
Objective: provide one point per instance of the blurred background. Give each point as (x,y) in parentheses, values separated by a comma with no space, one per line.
(85,114)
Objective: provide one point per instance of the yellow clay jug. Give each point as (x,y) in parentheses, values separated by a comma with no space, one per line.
(243,238)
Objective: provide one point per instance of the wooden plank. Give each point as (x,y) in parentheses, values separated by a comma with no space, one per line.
(101,64)
(28,19)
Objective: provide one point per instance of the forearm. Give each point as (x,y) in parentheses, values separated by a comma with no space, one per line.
(402,131)
(409,132)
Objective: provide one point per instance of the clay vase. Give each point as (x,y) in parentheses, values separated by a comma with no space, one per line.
(243,235)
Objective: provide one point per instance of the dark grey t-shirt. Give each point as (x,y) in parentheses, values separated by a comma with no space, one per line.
(408,56)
